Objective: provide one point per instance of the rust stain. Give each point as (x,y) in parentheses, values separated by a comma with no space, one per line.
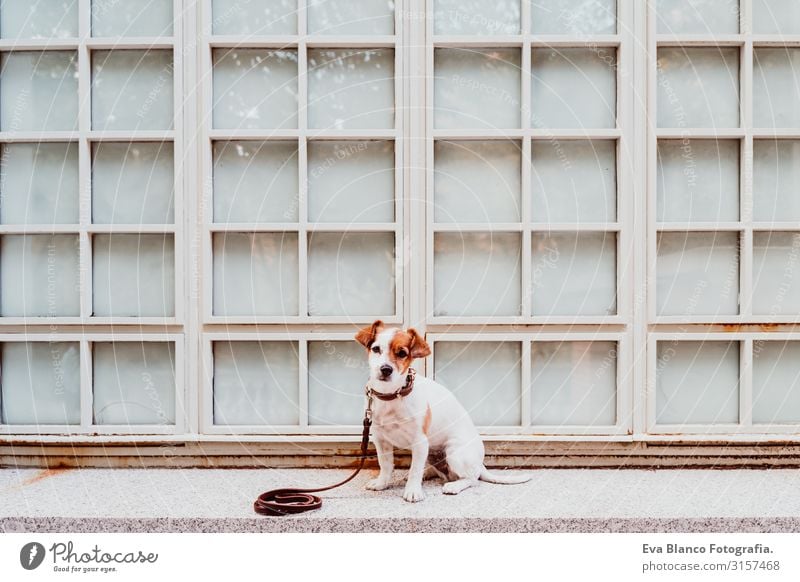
(41,475)
(426,422)
(731,327)
(769,326)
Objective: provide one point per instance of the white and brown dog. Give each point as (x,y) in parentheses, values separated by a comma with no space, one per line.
(420,415)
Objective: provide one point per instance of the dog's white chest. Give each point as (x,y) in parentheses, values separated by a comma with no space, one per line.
(395,425)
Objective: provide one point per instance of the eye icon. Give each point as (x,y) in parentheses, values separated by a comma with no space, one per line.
(31,555)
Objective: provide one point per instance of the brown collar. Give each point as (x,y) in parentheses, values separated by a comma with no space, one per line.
(399,393)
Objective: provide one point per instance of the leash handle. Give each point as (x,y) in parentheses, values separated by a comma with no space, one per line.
(293,500)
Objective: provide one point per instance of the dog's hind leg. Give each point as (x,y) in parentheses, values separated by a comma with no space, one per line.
(463,463)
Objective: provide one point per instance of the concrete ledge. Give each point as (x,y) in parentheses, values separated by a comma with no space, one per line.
(568,500)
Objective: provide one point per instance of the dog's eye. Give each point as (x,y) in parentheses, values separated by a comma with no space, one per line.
(376,349)
(402,353)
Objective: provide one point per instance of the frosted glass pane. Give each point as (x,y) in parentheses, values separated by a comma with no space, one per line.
(256,273)
(476,17)
(697,87)
(574,383)
(574,274)
(476,273)
(351,16)
(255,181)
(574,181)
(351,273)
(40,383)
(476,88)
(698,180)
(776,87)
(39,183)
(573,88)
(39,91)
(776,174)
(134,275)
(697,382)
(485,378)
(351,181)
(776,382)
(477,181)
(133,183)
(255,17)
(776,273)
(351,88)
(337,373)
(574,17)
(256,383)
(697,273)
(254,89)
(697,16)
(132,18)
(776,17)
(132,89)
(38,18)
(134,383)
(39,275)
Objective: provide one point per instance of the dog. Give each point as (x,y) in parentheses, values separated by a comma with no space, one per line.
(415,413)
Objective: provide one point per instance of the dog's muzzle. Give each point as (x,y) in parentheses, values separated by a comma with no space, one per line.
(386,371)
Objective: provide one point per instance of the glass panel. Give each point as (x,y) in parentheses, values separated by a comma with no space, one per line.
(39,275)
(132,18)
(574,181)
(698,87)
(351,273)
(697,16)
(476,273)
(39,183)
(254,89)
(350,181)
(39,18)
(776,174)
(776,382)
(132,89)
(476,88)
(476,17)
(351,17)
(574,17)
(697,382)
(574,273)
(256,383)
(698,180)
(697,273)
(776,87)
(133,183)
(134,382)
(573,88)
(39,91)
(255,17)
(134,275)
(41,383)
(337,373)
(255,181)
(485,378)
(477,181)
(256,273)
(574,383)
(351,88)
(776,17)
(776,264)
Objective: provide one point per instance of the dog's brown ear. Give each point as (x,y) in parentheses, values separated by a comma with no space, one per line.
(367,335)
(419,347)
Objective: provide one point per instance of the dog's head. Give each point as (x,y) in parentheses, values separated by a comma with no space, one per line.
(391,351)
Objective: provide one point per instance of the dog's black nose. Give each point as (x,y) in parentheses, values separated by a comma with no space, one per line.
(386,370)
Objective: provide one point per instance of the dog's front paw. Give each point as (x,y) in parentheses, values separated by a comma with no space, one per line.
(413,494)
(377,484)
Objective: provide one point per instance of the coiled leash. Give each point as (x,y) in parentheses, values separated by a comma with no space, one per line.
(289,501)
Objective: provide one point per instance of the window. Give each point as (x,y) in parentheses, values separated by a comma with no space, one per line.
(590,206)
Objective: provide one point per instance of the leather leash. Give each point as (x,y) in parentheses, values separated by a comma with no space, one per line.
(289,501)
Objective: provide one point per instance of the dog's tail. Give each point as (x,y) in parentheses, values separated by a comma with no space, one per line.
(503,479)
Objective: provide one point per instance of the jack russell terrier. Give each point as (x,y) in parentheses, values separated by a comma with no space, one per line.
(420,415)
